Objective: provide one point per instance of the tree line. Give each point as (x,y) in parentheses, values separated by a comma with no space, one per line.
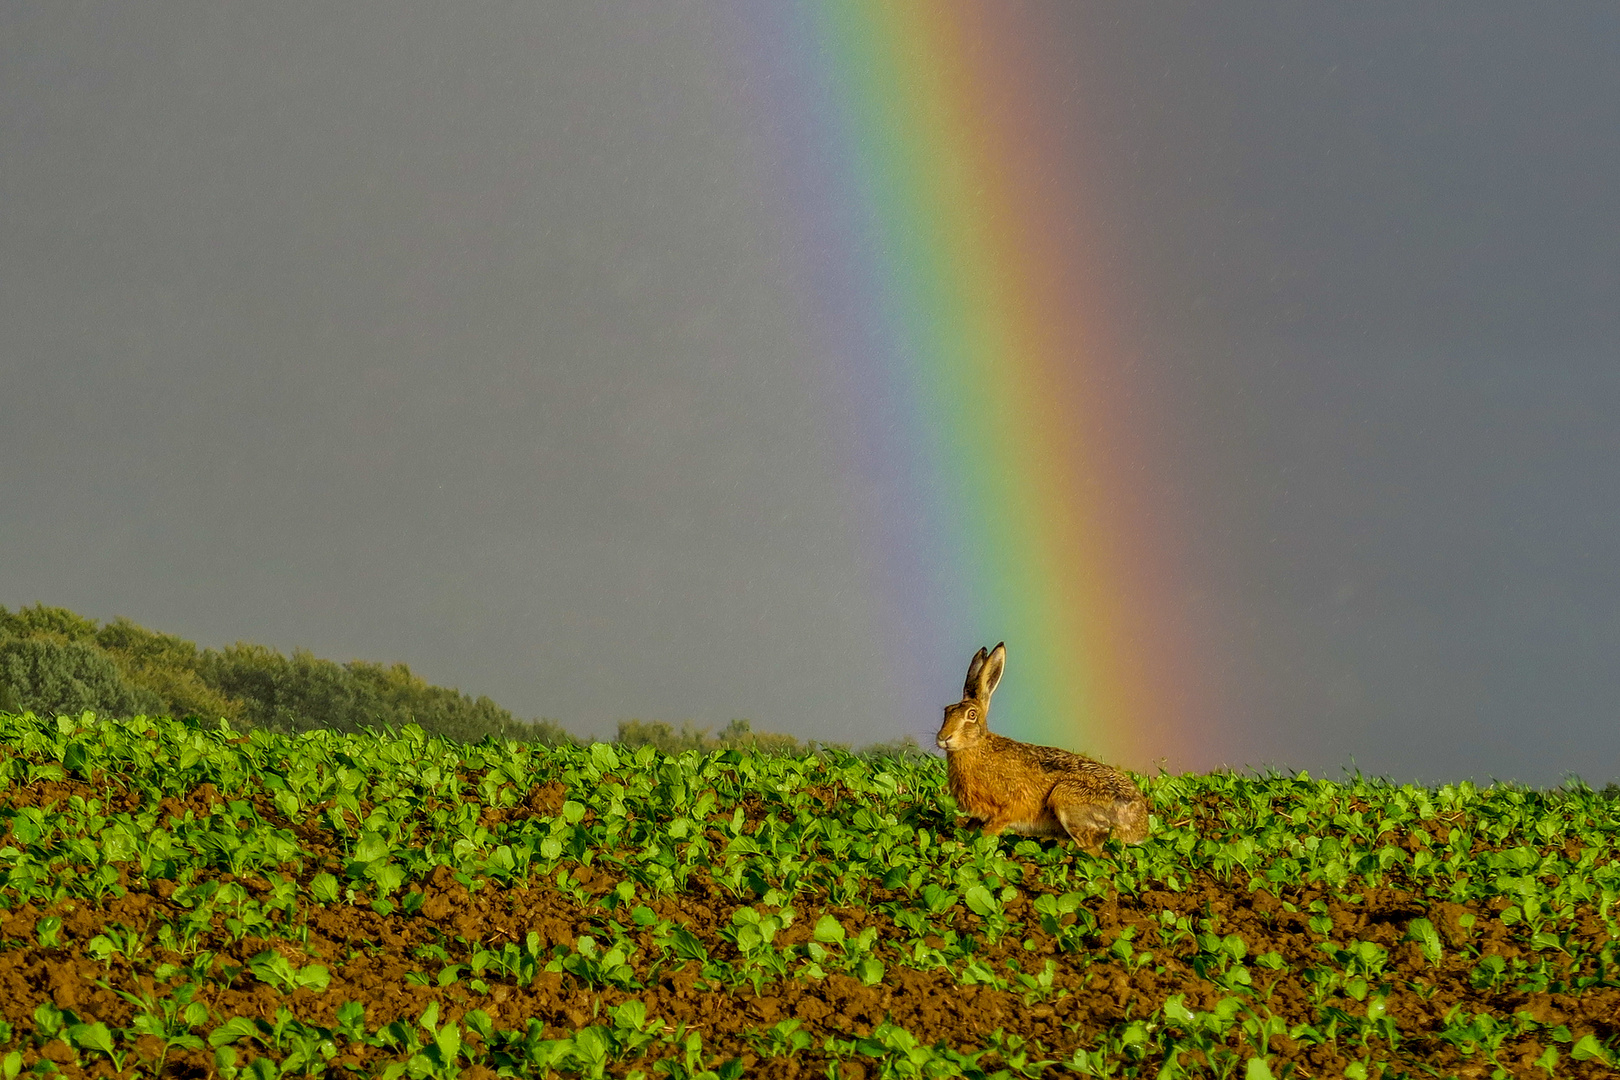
(56,662)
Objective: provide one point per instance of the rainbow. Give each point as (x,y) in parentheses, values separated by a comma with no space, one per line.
(945,258)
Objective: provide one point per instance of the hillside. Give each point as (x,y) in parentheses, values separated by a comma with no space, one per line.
(54,661)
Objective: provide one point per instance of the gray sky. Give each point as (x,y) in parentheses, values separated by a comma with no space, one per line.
(464,336)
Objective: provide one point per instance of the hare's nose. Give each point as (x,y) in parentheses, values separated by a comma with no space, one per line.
(941,744)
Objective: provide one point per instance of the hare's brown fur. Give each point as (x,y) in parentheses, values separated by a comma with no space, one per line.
(1007,785)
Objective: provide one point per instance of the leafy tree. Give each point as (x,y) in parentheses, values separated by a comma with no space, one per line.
(48,622)
(166,665)
(407,698)
(304,692)
(288,694)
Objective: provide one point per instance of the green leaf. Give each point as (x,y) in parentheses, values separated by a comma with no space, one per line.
(230,1031)
(1423,932)
(1176,1011)
(323,888)
(388,876)
(630,1016)
(829,930)
(351,1018)
(938,900)
(982,902)
(1589,1049)
(603,757)
(272,968)
(91,1037)
(76,758)
(448,1040)
(572,811)
(370,846)
(1257,1069)
(47,1018)
(315,977)
(480,1021)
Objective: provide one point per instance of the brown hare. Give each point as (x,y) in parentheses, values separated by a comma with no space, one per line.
(1036,790)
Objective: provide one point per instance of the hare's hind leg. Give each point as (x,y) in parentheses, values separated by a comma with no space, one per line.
(1131,820)
(1082,815)
(1091,816)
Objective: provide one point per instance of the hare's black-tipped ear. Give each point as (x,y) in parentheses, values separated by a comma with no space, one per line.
(994,665)
(971,687)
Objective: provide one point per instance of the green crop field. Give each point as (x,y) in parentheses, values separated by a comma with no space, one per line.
(179,901)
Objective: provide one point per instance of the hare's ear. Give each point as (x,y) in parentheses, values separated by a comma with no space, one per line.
(971,687)
(990,676)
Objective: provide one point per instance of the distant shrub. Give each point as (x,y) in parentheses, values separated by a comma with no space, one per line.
(740,735)
(407,698)
(48,676)
(737,735)
(904,747)
(541,732)
(663,738)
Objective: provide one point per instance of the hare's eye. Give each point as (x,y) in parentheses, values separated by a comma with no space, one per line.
(973,714)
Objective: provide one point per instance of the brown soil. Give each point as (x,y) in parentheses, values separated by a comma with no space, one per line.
(370,957)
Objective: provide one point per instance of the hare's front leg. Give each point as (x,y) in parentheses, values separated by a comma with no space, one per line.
(997,823)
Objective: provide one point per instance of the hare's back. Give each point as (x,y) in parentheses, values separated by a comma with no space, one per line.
(1091,775)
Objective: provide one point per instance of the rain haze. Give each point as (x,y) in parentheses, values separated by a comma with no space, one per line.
(465,337)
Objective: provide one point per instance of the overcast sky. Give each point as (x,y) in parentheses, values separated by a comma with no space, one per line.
(460,335)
